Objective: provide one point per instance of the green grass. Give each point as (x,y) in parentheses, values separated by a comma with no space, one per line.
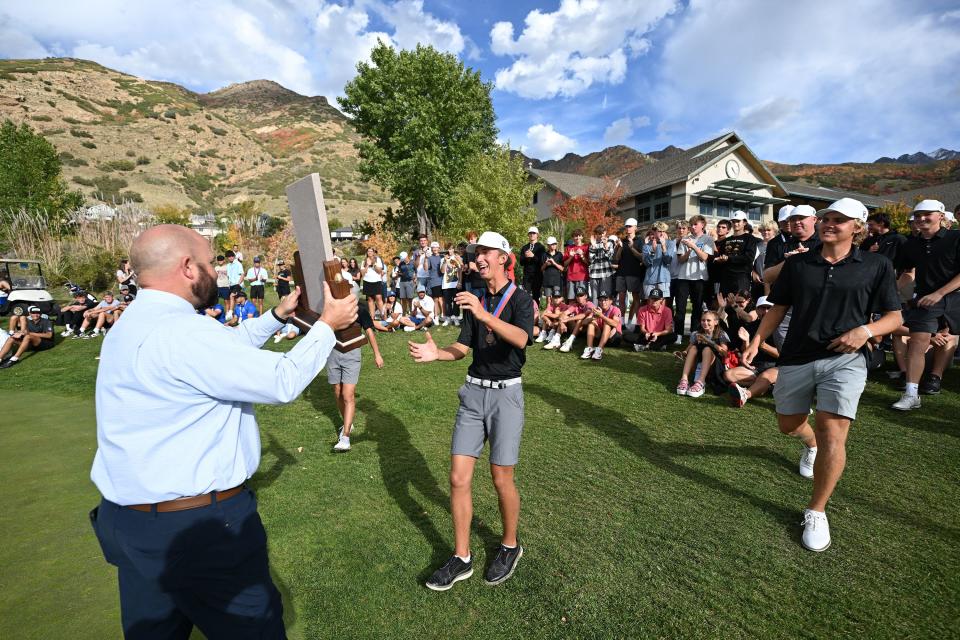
(644,514)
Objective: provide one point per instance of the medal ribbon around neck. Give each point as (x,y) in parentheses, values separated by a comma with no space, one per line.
(500,305)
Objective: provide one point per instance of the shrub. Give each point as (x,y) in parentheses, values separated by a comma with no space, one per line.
(170,113)
(174,165)
(72,121)
(131,196)
(143,160)
(87,182)
(116,165)
(94,271)
(208,116)
(51,103)
(88,144)
(41,118)
(80,133)
(217,131)
(130,153)
(195,127)
(108,188)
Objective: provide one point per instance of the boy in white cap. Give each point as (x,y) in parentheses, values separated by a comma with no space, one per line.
(497,329)
(931,258)
(531,259)
(834,291)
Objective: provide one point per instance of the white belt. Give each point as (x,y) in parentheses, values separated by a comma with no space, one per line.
(493,384)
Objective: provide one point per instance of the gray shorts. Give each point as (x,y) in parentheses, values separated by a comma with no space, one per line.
(405,289)
(837,382)
(494,414)
(343,368)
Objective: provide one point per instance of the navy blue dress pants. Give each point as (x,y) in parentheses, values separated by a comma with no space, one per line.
(204,567)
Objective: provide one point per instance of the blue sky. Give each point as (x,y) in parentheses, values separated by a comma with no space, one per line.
(817,81)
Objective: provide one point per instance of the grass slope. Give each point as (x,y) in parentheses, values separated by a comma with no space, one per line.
(644,514)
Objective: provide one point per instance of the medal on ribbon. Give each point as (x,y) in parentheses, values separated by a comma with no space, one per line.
(491,339)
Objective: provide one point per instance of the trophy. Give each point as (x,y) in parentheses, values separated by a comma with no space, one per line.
(315,262)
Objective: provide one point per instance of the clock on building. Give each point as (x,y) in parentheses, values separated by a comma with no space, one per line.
(733,169)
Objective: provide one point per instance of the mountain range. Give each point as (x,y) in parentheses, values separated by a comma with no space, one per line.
(122,137)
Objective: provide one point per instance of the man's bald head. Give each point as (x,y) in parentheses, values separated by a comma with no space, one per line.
(159,250)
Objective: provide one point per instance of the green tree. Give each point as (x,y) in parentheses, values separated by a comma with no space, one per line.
(496,194)
(171,214)
(30,176)
(422,114)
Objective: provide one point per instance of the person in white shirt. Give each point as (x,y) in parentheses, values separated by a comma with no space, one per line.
(373,270)
(100,316)
(177,440)
(394,311)
(421,311)
(693,252)
(257,276)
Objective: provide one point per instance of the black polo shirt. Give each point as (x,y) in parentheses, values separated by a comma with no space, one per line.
(936,260)
(531,266)
(790,243)
(887,244)
(363,317)
(830,299)
(773,255)
(501,360)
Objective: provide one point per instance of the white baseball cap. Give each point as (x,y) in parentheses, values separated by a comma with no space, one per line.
(490,240)
(631,222)
(551,240)
(763,302)
(785,212)
(403,255)
(848,207)
(803,211)
(533,230)
(738,215)
(434,244)
(930,205)
(949,216)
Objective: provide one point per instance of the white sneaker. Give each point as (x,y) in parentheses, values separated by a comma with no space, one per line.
(277,338)
(587,352)
(816,530)
(907,402)
(66,333)
(807,458)
(343,444)
(568,344)
(541,337)
(598,353)
(553,343)
(229,315)
(408,328)
(445,323)
(679,340)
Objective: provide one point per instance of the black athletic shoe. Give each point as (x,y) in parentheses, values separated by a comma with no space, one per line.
(453,571)
(6,364)
(930,386)
(503,564)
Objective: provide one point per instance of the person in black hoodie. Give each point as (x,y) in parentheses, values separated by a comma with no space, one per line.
(531,259)
(736,254)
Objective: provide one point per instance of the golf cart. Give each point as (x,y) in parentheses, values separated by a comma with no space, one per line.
(28,287)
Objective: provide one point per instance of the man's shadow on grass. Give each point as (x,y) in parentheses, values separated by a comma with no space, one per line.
(664,456)
(265,478)
(405,469)
(322,398)
(911,420)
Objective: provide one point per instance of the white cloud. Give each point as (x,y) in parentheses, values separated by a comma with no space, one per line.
(545,143)
(584,42)
(310,47)
(804,98)
(621,130)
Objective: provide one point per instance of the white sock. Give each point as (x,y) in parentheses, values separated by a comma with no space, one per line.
(14,358)
(465,559)
(912,388)
(507,547)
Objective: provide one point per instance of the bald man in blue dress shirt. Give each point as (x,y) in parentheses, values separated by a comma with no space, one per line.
(177,440)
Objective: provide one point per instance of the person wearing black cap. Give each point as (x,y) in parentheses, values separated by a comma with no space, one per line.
(73,313)
(35,333)
(283,280)
(257,276)
(605,325)
(654,324)
(497,329)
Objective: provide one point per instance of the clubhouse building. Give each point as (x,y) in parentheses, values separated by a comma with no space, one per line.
(713,179)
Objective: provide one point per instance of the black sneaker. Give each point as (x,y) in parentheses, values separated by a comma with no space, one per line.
(930,386)
(7,363)
(503,564)
(453,571)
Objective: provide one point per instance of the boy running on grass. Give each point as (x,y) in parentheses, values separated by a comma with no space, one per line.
(343,372)
(498,329)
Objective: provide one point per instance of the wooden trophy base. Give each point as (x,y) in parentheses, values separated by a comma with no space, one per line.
(348,339)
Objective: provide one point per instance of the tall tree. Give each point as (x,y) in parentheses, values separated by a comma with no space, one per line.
(30,176)
(422,115)
(496,193)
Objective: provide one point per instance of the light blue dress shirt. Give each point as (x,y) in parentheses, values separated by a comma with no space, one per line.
(175,393)
(658,263)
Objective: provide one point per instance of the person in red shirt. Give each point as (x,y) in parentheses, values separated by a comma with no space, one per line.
(605,321)
(550,318)
(576,257)
(654,324)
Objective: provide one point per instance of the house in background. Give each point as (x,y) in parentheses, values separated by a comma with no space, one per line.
(820,197)
(205,224)
(714,179)
(343,233)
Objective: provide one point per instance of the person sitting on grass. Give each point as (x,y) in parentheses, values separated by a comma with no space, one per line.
(753,381)
(654,324)
(394,312)
(575,318)
(34,332)
(244,309)
(604,322)
(100,316)
(736,311)
(550,318)
(707,347)
(288,332)
(218,313)
(422,309)
(73,313)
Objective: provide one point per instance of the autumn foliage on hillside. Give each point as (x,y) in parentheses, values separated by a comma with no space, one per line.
(876,179)
(596,207)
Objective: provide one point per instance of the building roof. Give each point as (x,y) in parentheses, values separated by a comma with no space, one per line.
(570,184)
(947,193)
(832,195)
